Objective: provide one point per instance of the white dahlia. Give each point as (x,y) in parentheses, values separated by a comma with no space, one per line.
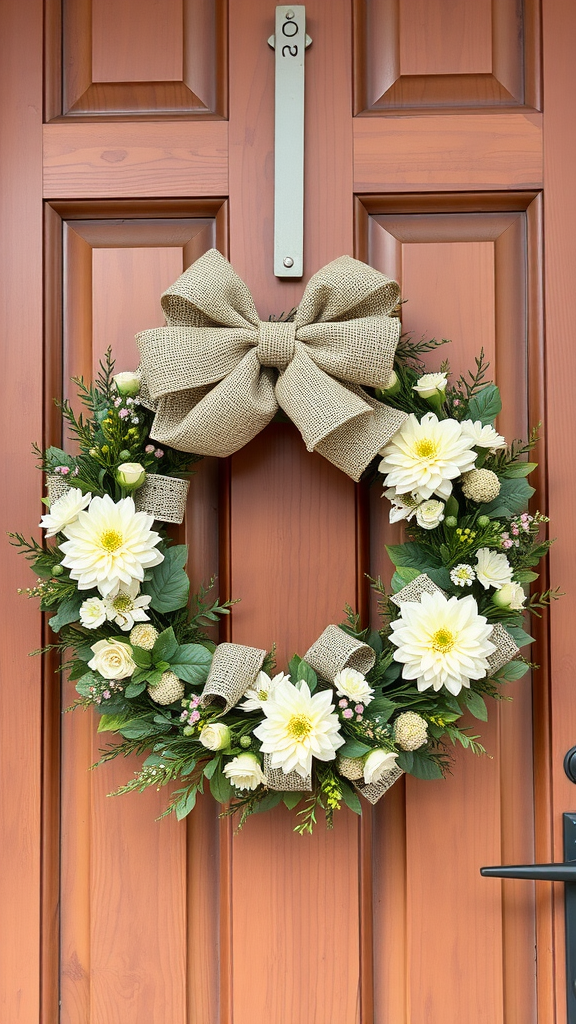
(298,726)
(424,457)
(261,691)
(126,608)
(482,436)
(110,544)
(64,511)
(492,568)
(442,642)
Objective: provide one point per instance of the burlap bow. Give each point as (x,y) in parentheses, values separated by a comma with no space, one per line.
(234,670)
(217,374)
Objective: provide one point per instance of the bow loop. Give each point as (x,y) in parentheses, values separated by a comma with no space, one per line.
(276,343)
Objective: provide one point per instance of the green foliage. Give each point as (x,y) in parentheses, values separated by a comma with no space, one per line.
(169,585)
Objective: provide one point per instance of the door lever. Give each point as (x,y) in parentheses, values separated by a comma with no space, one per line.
(566,873)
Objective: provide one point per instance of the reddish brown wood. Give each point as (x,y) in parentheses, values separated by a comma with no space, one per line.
(114,160)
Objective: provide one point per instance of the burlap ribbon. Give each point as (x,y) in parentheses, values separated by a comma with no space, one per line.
(216,374)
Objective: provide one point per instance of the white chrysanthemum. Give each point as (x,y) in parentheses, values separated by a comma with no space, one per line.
(492,568)
(462,575)
(126,608)
(350,683)
(245,772)
(64,511)
(299,726)
(424,457)
(110,544)
(483,436)
(92,613)
(442,642)
(428,383)
(261,691)
(404,506)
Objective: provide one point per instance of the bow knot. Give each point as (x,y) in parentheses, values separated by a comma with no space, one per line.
(276,343)
(216,374)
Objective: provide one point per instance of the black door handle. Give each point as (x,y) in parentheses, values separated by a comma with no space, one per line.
(566,873)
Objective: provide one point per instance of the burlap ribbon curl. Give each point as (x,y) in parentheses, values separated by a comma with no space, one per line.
(217,374)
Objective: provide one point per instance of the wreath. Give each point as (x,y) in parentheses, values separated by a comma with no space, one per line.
(361,707)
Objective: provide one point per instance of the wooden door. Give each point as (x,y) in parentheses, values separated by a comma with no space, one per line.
(148,141)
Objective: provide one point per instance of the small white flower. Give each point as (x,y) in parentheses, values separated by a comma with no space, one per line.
(350,683)
(378,763)
(130,475)
(425,456)
(442,642)
(404,506)
(511,595)
(492,568)
(245,772)
(482,436)
(430,514)
(112,659)
(127,383)
(126,608)
(262,690)
(462,575)
(430,384)
(298,726)
(92,613)
(64,511)
(216,736)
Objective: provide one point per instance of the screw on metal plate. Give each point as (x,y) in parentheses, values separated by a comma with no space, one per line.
(288,261)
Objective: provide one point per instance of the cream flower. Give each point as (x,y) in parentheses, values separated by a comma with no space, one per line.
(127,383)
(430,384)
(492,568)
(442,642)
(298,726)
(404,506)
(462,575)
(511,595)
(216,736)
(64,511)
(262,690)
(430,514)
(112,659)
(130,475)
(378,763)
(482,436)
(144,636)
(244,772)
(424,457)
(410,730)
(110,544)
(126,608)
(350,683)
(92,613)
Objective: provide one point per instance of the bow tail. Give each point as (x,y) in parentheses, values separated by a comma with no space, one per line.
(352,446)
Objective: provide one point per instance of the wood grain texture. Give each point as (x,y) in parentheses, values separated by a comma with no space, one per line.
(438,37)
(447,152)
(21,424)
(114,160)
(148,41)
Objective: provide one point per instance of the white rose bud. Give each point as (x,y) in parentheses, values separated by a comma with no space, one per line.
(244,771)
(215,736)
(127,384)
(112,659)
(431,385)
(377,764)
(430,514)
(511,595)
(130,475)
(392,388)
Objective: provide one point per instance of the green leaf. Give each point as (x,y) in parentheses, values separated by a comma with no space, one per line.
(525,575)
(511,671)
(485,405)
(137,729)
(382,707)
(166,646)
(154,677)
(518,634)
(405,760)
(272,799)
(513,498)
(142,658)
(68,611)
(413,555)
(291,800)
(354,748)
(517,469)
(307,673)
(350,797)
(424,768)
(452,508)
(57,457)
(111,723)
(162,666)
(441,577)
(375,641)
(475,704)
(183,807)
(134,689)
(169,585)
(220,788)
(293,666)
(84,683)
(211,767)
(140,675)
(402,576)
(191,663)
